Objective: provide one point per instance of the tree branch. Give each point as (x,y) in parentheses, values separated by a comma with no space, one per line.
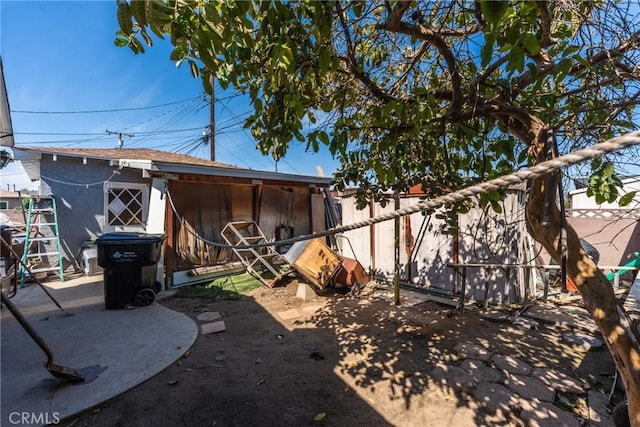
(423,33)
(350,60)
(416,56)
(545,17)
(395,17)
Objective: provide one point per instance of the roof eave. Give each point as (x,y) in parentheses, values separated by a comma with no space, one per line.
(172,168)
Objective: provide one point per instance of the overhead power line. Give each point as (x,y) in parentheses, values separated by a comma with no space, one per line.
(114,110)
(117,110)
(102,133)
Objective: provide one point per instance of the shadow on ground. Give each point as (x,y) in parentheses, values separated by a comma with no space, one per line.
(341,361)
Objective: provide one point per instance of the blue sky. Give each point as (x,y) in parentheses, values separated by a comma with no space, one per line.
(60,57)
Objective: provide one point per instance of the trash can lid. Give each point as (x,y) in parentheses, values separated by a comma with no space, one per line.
(128,238)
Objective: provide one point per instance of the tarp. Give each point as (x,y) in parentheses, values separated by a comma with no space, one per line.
(6,130)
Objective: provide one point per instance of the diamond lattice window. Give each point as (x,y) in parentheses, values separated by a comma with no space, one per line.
(125,206)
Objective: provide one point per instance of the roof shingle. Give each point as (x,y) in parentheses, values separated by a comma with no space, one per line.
(129,153)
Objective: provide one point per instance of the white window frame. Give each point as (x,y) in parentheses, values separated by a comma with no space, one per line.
(144,215)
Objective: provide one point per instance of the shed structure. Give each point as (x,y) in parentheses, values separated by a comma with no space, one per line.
(188,199)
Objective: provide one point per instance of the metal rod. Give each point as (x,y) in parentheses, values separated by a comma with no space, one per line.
(26,267)
(56,370)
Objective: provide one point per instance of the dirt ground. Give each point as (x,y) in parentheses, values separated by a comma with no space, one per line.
(346,360)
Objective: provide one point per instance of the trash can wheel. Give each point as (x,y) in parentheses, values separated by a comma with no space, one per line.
(620,414)
(144,297)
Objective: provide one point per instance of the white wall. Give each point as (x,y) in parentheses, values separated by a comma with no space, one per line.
(155,219)
(485,238)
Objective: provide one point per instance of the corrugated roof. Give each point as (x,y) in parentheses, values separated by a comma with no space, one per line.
(128,153)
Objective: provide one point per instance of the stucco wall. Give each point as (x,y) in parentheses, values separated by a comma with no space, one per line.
(79,192)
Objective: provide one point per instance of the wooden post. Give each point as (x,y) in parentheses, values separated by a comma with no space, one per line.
(396,277)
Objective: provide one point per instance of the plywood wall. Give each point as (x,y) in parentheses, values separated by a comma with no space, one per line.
(207,207)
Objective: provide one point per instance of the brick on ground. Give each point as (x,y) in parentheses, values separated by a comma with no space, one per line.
(481,372)
(511,365)
(209,316)
(558,380)
(453,377)
(495,397)
(530,387)
(544,414)
(472,351)
(289,314)
(212,328)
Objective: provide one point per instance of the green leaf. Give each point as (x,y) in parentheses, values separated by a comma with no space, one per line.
(493,10)
(121,41)
(325,59)
(516,59)
(323,137)
(627,199)
(159,13)
(138,9)
(487,49)
(531,43)
(124,17)
(571,49)
(562,69)
(180,53)
(358,7)
(522,156)
(136,46)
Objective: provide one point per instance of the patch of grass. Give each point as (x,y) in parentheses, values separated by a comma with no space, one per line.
(229,287)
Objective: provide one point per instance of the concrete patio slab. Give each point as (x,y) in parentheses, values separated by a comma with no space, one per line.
(114,350)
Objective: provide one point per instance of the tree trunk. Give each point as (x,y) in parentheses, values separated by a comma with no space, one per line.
(618,331)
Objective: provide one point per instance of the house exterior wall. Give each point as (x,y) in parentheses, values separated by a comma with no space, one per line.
(9,200)
(79,192)
(425,250)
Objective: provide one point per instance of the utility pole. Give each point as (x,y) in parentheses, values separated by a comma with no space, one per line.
(212,119)
(120,135)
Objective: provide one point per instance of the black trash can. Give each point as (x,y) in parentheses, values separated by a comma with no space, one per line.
(129,262)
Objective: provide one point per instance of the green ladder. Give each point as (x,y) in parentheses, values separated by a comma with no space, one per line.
(42,213)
